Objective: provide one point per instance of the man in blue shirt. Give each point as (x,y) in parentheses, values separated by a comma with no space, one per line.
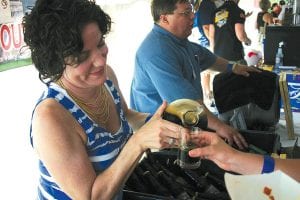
(168,65)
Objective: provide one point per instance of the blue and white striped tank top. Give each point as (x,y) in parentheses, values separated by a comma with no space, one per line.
(102,146)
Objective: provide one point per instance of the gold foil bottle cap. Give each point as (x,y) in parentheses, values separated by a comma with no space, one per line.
(189,112)
(190,118)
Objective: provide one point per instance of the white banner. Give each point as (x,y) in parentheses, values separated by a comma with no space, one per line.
(12,45)
(5,12)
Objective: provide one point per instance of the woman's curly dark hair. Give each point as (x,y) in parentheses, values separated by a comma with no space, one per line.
(53,32)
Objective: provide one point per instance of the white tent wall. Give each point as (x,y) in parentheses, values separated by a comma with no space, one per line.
(250,24)
(131,22)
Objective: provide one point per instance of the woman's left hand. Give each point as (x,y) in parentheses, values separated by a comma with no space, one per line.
(158,133)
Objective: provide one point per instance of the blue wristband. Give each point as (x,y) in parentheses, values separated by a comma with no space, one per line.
(269,164)
(148,118)
(229,67)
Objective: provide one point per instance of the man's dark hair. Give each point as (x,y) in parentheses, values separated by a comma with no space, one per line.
(162,7)
(282,2)
(273,5)
(53,30)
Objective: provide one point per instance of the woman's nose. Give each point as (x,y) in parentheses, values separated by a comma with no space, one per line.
(100,58)
(99,61)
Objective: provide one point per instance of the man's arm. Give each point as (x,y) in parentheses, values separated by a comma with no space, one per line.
(211,37)
(223,65)
(206,29)
(268,18)
(220,65)
(206,16)
(228,133)
(241,34)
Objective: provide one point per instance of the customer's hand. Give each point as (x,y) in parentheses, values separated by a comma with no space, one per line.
(158,133)
(231,135)
(213,148)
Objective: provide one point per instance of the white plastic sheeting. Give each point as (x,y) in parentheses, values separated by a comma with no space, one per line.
(132,21)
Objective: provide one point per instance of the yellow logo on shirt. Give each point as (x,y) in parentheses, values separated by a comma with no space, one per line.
(221,17)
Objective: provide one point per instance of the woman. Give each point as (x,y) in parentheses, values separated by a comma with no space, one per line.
(81,126)
(213,148)
(276,9)
(263,19)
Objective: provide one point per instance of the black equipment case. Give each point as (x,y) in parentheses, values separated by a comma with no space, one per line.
(158,177)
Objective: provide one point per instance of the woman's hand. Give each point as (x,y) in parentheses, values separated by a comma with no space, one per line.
(213,148)
(158,133)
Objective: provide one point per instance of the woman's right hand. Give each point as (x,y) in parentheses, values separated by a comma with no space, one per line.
(158,133)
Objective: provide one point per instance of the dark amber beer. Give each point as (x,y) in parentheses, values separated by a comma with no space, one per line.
(191,115)
(186,144)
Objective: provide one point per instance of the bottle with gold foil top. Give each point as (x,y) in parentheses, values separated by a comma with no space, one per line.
(186,112)
(191,115)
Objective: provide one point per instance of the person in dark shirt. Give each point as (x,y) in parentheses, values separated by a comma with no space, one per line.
(206,10)
(263,19)
(275,10)
(228,32)
(204,17)
(201,37)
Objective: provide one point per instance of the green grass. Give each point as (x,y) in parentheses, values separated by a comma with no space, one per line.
(14,64)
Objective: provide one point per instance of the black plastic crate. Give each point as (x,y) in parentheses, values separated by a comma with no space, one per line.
(265,140)
(206,182)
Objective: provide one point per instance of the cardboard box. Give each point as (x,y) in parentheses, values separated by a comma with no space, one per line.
(285,97)
(293,84)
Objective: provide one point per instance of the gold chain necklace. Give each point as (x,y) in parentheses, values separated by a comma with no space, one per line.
(98,110)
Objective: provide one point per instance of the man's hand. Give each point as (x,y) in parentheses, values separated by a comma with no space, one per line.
(231,136)
(248,14)
(247,42)
(244,69)
(228,133)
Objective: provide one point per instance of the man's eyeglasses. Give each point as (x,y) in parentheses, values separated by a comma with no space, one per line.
(187,13)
